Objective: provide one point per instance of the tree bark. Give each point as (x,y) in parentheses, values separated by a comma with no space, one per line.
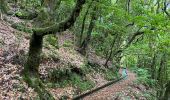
(87,40)
(158,6)
(83,24)
(84,45)
(153,66)
(30,72)
(31,75)
(33,60)
(128,6)
(167,92)
(111,51)
(36,41)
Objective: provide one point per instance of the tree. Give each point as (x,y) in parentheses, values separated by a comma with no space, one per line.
(33,61)
(85,43)
(3,7)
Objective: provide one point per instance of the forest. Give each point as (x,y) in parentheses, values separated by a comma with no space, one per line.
(84,50)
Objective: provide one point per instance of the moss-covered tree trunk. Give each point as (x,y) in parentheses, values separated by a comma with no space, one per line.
(30,72)
(33,60)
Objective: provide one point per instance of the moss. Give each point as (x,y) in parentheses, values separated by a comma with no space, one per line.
(23,14)
(34,82)
(21,27)
(68,43)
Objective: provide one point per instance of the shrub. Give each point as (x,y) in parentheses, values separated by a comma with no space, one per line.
(64,77)
(52,40)
(110,74)
(144,77)
(68,43)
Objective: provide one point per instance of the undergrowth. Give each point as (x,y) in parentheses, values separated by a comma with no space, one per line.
(52,40)
(144,77)
(21,27)
(110,74)
(65,77)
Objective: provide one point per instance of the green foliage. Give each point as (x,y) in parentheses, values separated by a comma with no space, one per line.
(52,40)
(58,75)
(82,85)
(19,13)
(115,26)
(110,74)
(68,43)
(21,26)
(144,77)
(65,77)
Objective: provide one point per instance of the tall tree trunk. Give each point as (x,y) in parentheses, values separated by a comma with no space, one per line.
(159,78)
(83,24)
(31,75)
(111,51)
(167,92)
(35,50)
(36,41)
(153,66)
(158,6)
(128,6)
(85,43)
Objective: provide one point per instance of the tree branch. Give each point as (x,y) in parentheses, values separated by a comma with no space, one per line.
(63,25)
(130,41)
(130,24)
(133,37)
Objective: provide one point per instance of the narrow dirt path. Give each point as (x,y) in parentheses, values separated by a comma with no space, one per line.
(108,92)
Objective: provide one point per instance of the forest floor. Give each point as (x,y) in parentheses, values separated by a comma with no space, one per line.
(14,45)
